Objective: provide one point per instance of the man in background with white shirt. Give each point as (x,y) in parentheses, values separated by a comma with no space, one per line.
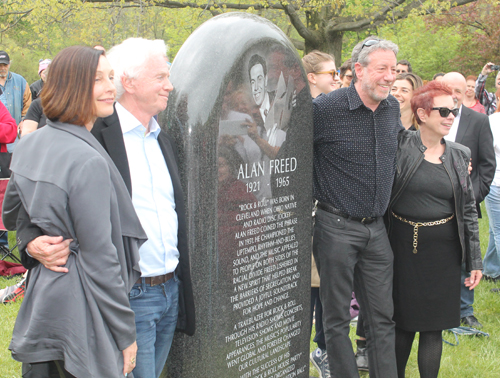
(472,129)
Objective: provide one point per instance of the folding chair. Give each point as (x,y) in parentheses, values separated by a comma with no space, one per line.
(4,249)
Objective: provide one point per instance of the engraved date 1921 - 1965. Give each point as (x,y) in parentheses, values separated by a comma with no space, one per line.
(254,186)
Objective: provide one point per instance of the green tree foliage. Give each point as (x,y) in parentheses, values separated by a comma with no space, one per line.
(31,30)
(445,38)
(477,26)
(461,39)
(321,24)
(429,50)
(312,24)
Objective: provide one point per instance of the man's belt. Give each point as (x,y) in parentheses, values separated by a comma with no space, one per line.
(153,281)
(333,210)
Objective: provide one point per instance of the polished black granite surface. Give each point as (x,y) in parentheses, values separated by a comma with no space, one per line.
(241,114)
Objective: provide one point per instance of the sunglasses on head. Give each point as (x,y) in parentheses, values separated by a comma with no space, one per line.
(332,72)
(445,112)
(369,43)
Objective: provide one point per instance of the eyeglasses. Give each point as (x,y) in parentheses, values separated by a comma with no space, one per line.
(332,72)
(369,43)
(445,112)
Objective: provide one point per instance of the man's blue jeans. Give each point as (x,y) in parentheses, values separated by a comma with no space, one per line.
(156,311)
(491,260)
(466,296)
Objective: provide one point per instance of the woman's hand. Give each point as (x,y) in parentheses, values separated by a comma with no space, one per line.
(472,281)
(129,355)
(27,126)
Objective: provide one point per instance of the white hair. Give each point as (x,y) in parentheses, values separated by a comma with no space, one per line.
(129,58)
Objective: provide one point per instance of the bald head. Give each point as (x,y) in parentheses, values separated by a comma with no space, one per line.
(456,81)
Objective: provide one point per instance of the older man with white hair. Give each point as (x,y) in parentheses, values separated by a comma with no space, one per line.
(147,160)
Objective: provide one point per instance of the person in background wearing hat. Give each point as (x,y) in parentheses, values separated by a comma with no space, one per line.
(16,94)
(37,86)
(35,118)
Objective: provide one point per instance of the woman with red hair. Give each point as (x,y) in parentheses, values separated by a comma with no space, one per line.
(432,225)
(470,99)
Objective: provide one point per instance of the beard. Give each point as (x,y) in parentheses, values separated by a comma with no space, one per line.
(371,89)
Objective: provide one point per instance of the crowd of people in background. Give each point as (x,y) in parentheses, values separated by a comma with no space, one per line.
(401,166)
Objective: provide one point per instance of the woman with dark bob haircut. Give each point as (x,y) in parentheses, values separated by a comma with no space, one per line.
(432,225)
(76,321)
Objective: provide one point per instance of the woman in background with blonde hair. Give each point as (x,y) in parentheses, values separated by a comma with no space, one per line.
(321,72)
(323,78)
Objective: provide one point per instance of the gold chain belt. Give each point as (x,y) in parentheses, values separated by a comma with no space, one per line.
(416,225)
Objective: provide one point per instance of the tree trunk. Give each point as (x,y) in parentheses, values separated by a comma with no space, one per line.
(328,42)
(334,46)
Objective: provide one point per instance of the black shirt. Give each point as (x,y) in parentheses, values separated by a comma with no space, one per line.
(355,152)
(428,195)
(35,113)
(36,88)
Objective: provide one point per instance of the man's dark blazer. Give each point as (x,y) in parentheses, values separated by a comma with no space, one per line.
(109,133)
(474,132)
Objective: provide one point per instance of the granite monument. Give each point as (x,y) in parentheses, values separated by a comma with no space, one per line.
(241,113)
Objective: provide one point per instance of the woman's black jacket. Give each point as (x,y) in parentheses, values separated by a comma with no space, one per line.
(455,159)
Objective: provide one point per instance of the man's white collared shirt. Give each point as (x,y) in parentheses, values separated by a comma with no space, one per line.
(452,135)
(264,107)
(152,194)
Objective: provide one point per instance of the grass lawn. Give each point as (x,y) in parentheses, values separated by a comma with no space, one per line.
(8,367)
(472,358)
